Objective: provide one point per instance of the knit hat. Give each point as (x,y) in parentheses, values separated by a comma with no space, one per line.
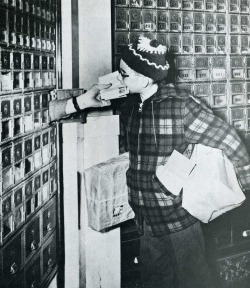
(146,57)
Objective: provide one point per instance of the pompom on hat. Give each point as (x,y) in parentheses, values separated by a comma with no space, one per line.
(146,57)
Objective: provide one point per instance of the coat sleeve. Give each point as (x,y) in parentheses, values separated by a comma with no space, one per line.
(202,126)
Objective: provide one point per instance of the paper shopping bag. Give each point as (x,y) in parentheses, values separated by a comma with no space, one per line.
(212,188)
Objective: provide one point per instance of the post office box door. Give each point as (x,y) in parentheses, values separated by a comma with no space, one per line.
(49,218)
(33,274)
(32,236)
(241,222)
(130,254)
(12,259)
(17,283)
(49,255)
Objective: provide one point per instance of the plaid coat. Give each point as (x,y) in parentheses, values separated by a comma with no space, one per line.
(172,119)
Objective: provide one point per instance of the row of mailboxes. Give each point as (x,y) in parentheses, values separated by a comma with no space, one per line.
(212,68)
(13,127)
(31,43)
(219,95)
(23,113)
(23,157)
(228,102)
(20,204)
(21,42)
(241,6)
(19,104)
(23,81)
(28,25)
(39,8)
(25,71)
(185,21)
(18,60)
(205,68)
(189,43)
(26,32)
(31,242)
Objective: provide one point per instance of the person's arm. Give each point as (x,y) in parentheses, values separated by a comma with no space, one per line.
(62,108)
(203,127)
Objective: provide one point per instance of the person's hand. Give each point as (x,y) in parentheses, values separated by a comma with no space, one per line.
(92,97)
(57,109)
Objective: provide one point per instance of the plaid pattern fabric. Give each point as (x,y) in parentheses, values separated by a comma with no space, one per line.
(172,119)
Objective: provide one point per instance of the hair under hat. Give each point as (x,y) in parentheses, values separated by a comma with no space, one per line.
(147,57)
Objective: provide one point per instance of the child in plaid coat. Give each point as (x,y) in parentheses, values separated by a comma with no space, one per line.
(166,118)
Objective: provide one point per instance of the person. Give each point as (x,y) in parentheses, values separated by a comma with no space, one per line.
(167,118)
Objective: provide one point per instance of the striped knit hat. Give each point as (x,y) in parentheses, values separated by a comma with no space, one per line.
(147,57)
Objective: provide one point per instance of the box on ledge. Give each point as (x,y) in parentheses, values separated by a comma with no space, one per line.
(107,193)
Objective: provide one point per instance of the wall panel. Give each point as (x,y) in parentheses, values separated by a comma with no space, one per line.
(28,146)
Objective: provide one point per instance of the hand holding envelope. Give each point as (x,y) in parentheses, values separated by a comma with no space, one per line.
(116,89)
